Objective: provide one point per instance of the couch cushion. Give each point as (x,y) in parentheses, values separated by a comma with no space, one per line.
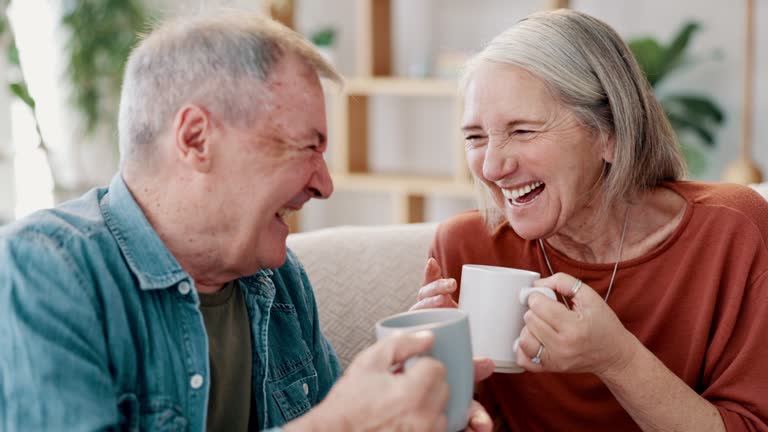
(360,275)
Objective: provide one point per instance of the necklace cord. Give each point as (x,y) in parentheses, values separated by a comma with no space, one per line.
(615,266)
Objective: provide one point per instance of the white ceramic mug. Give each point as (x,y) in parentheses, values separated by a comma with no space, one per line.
(495,298)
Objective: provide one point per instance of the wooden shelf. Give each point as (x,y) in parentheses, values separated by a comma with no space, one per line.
(353,119)
(407,184)
(400,87)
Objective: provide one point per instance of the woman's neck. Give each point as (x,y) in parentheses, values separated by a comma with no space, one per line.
(650,220)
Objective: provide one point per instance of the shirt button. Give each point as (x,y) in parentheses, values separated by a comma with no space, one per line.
(196,381)
(184,287)
(306,389)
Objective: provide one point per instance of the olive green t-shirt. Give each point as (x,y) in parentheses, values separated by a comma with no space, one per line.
(229,350)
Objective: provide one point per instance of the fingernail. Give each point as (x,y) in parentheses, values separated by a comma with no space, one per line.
(423,334)
(516,345)
(481,418)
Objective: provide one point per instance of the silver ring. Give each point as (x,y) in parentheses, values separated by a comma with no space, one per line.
(537,358)
(575,289)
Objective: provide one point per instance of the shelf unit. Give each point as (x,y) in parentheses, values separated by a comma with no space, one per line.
(350,106)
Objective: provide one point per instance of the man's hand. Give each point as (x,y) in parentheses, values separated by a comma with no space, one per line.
(371,396)
(479,420)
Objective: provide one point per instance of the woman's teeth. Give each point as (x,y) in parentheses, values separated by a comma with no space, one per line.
(514,194)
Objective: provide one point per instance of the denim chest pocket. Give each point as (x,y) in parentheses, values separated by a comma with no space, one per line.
(295,398)
(157,413)
(292,375)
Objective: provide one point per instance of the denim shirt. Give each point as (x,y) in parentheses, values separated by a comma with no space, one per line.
(100,327)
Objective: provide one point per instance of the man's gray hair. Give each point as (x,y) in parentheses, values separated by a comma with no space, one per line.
(590,69)
(212,60)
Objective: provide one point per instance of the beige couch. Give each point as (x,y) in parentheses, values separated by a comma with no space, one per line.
(360,275)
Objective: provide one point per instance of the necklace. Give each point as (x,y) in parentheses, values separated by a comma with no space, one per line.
(615,266)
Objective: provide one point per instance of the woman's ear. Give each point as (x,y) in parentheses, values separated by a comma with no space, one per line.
(609,149)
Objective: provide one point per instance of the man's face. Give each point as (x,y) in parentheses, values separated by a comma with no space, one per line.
(270,168)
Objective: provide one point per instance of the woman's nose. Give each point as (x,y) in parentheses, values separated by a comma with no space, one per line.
(498,163)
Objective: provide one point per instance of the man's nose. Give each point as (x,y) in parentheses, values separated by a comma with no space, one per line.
(321,185)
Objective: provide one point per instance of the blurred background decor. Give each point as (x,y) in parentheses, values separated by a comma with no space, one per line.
(696,117)
(324,40)
(101,36)
(745,169)
(395,151)
(92,39)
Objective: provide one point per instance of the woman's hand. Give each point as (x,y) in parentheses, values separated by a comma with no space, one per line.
(587,338)
(436,292)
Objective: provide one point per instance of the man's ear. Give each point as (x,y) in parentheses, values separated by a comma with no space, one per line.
(193,129)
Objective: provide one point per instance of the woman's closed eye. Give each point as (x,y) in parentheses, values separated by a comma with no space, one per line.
(522,133)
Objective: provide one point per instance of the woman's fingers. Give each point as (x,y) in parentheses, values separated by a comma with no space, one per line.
(432,271)
(565,285)
(527,348)
(551,312)
(438,301)
(540,329)
(438,287)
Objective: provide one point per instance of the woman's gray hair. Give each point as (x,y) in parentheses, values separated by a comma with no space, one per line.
(590,69)
(217,60)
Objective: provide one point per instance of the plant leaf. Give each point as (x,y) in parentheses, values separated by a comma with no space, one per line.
(674,53)
(695,106)
(683,124)
(649,55)
(22,92)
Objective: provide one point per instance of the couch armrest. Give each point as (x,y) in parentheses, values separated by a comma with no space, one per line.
(360,275)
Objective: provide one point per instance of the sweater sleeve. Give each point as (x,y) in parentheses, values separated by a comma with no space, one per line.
(738,385)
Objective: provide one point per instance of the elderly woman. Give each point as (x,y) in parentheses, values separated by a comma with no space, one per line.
(662,315)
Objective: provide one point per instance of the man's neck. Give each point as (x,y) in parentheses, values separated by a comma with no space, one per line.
(193,244)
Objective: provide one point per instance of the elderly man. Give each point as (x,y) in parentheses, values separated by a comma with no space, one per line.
(152,304)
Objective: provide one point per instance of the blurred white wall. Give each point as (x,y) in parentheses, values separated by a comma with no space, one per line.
(6,148)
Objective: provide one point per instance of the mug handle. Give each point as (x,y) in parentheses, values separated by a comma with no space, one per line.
(525,292)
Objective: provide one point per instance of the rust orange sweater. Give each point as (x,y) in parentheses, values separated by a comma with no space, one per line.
(699,302)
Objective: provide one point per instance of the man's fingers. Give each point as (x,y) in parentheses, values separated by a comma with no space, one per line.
(483,368)
(396,349)
(432,271)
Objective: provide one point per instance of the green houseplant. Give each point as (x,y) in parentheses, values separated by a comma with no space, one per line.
(695,117)
(101,34)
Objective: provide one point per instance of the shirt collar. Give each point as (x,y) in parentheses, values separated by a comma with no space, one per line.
(147,256)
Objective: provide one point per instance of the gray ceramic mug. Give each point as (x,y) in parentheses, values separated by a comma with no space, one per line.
(452,347)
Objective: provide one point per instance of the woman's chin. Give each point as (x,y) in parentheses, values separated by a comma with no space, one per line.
(527,231)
